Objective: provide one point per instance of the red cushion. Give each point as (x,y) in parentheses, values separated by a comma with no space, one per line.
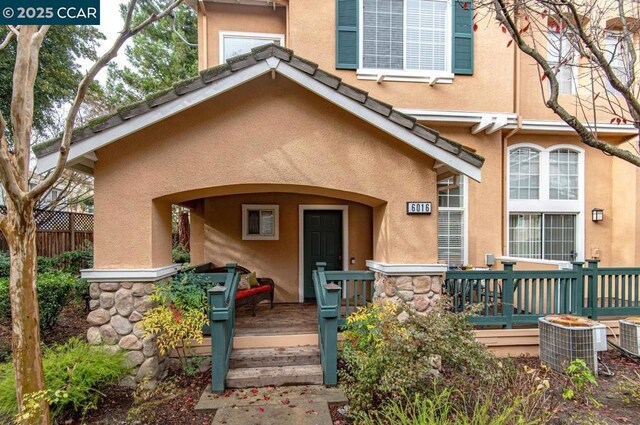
(244,293)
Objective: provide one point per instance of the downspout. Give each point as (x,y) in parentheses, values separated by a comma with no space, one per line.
(505,140)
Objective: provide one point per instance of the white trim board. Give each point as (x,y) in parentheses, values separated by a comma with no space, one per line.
(130,275)
(530,125)
(406,269)
(240,77)
(345,239)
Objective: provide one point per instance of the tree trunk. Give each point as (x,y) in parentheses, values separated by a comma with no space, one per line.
(27,359)
(183,230)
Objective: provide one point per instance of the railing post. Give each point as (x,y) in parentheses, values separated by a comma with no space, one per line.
(321,266)
(592,296)
(577,289)
(231,272)
(218,318)
(330,315)
(507,293)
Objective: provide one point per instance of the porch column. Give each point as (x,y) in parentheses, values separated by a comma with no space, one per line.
(406,252)
(196,236)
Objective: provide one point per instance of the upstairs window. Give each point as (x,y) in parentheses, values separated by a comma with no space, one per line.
(618,58)
(406,35)
(238,43)
(563,59)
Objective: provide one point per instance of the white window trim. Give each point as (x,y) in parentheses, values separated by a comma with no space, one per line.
(345,240)
(544,204)
(245,222)
(465,218)
(402,75)
(250,35)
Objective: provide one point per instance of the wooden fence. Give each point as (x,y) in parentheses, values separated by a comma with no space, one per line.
(58,232)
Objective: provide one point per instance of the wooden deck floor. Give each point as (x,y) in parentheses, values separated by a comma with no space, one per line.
(284,319)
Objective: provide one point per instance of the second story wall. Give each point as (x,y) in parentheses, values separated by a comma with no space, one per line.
(309,27)
(234,26)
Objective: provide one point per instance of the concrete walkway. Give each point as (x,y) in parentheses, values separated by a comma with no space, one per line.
(304,405)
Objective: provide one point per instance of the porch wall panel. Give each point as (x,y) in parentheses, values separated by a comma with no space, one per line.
(278,259)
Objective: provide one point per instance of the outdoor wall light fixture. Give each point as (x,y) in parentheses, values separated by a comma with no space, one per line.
(597,214)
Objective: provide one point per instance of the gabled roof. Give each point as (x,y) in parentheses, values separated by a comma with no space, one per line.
(237,71)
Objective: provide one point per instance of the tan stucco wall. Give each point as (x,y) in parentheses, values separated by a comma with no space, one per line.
(309,26)
(278,259)
(266,136)
(311,34)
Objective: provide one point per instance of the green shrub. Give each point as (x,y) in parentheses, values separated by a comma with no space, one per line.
(53,292)
(5,264)
(582,382)
(442,408)
(77,369)
(178,318)
(387,359)
(68,262)
(180,255)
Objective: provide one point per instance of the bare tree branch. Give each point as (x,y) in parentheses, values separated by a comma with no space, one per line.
(126,33)
(505,16)
(7,39)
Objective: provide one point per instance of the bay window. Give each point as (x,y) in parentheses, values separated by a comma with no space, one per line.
(545,202)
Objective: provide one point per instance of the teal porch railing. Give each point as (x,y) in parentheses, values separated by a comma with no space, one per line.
(507,297)
(221,297)
(338,294)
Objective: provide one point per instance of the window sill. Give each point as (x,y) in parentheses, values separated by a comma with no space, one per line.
(380,75)
(559,264)
(259,238)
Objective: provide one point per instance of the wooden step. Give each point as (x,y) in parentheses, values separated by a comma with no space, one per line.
(274,356)
(250,377)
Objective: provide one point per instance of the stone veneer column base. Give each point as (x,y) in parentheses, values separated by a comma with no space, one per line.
(420,293)
(115,319)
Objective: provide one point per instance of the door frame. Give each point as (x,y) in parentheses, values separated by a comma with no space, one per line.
(345,239)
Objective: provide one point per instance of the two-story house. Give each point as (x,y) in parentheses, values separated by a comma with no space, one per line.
(368,134)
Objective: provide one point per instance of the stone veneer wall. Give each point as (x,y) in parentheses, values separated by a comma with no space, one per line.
(420,293)
(116,312)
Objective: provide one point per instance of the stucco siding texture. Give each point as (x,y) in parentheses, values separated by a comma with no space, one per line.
(266,132)
(278,259)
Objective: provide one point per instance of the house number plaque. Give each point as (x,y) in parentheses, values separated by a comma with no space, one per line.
(418,207)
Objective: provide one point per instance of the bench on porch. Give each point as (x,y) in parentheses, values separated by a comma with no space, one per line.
(244,297)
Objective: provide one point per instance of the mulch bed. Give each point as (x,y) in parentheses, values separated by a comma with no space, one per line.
(615,407)
(174,399)
(171,402)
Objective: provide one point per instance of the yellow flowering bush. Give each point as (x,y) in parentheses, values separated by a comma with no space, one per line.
(178,319)
(175,329)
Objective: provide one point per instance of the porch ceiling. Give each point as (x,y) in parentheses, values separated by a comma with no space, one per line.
(242,69)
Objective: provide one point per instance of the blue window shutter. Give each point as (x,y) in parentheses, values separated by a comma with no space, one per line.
(347,34)
(462,37)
